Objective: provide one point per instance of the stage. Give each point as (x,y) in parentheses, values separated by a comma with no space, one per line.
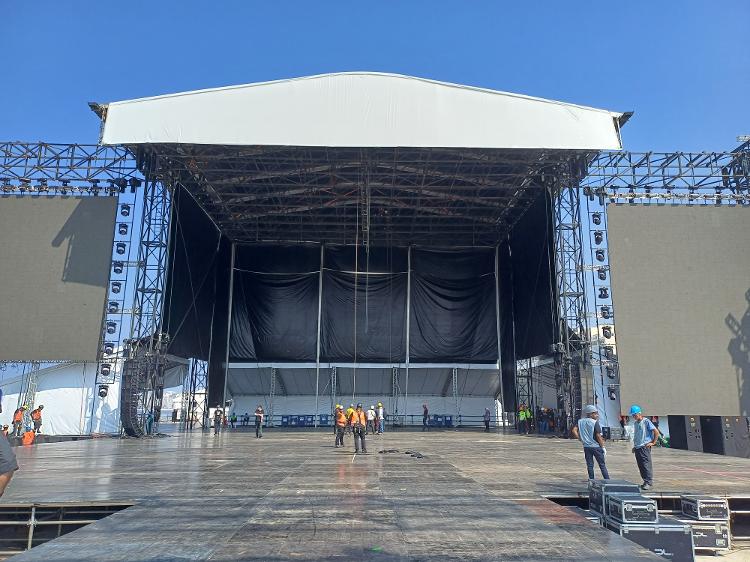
(291,495)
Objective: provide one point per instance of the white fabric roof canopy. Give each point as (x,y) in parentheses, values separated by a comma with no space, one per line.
(360,109)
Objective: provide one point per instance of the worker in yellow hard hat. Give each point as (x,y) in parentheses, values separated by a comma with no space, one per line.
(340,425)
(349,412)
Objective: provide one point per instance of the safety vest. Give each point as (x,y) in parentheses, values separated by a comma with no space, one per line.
(36,415)
(18,416)
(340,418)
(358,418)
(522,415)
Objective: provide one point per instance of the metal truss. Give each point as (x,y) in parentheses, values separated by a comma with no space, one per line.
(194,395)
(572,350)
(410,196)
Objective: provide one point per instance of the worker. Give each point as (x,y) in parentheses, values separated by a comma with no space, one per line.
(28,436)
(233,419)
(589,432)
(358,423)
(486,418)
(645,436)
(371,420)
(523,423)
(259,415)
(349,412)
(36,417)
(340,427)
(218,416)
(18,421)
(8,463)
(425,418)
(380,417)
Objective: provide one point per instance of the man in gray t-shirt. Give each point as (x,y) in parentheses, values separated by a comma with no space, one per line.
(589,432)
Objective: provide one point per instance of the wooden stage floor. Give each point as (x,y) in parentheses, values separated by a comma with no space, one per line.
(292,496)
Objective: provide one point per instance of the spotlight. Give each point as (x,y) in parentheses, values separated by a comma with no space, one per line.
(609,352)
(605,310)
(596,218)
(601,273)
(103,390)
(125,210)
(603,293)
(117,267)
(610,370)
(109,348)
(116,287)
(599,255)
(612,393)
(598,237)
(121,184)
(106,369)
(122,228)
(94,189)
(607,331)
(111,327)
(134,183)
(113,307)
(120,248)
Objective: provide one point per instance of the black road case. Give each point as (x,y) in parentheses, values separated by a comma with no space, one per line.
(705,508)
(669,538)
(598,489)
(631,508)
(710,535)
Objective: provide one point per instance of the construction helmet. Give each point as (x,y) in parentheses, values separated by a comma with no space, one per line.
(635,409)
(359,405)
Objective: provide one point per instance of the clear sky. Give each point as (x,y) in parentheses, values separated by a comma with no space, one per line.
(682,66)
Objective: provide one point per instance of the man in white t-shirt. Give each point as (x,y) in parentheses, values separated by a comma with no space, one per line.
(380,417)
(589,432)
(371,420)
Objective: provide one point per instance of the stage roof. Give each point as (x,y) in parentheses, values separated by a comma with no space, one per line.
(384,158)
(360,109)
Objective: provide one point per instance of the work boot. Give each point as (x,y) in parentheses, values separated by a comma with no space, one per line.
(646,486)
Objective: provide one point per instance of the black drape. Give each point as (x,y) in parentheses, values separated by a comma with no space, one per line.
(219,330)
(191,278)
(453,306)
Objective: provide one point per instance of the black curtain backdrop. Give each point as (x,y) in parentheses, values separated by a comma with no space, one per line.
(191,278)
(453,306)
(219,335)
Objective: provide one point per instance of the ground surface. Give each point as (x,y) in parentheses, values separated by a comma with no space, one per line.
(292,496)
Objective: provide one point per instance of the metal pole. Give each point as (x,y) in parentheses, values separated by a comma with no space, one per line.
(229,327)
(497,323)
(408,322)
(317,350)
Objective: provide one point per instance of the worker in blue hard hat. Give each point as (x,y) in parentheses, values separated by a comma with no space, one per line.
(645,436)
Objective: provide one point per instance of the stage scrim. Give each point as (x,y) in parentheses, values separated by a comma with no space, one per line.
(681,290)
(55,259)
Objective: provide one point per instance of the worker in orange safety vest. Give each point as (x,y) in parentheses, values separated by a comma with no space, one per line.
(340,427)
(18,421)
(36,417)
(358,423)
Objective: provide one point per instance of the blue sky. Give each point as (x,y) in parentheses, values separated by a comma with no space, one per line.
(682,66)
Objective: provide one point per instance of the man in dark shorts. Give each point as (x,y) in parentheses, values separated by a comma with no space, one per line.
(36,417)
(8,464)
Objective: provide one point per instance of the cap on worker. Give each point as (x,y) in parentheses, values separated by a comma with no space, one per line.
(339,406)
(380,404)
(635,409)
(590,409)
(359,405)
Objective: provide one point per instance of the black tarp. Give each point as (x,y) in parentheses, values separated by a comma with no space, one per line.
(219,337)
(380,296)
(275,303)
(453,306)
(191,278)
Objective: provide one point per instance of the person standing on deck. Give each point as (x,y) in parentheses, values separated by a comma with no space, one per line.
(425,418)
(218,416)
(589,432)
(18,421)
(645,436)
(486,419)
(259,415)
(36,417)
(340,427)
(358,423)
(371,420)
(380,418)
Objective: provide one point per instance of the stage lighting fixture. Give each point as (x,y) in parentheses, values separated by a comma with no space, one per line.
(121,184)
(610,370)
(116,287)
(134,183)
(609,352)
(106,369)
(117,267)
(607,331)
(103,389)
(125,210)
(113,307)
(599,255)
(612,393)
(601,273)
(601,194)
(109,348)
(598,237)
(111,327)
(603,293)
(606,312)
(122,228)
(596,218)
(120,248)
